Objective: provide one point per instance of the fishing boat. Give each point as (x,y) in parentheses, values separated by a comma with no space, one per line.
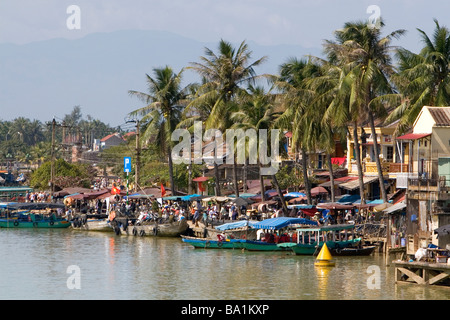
(32,215)
(225,236)
(276,233)
(354,251)
(164,229)
(94,222)
(338,238)
(208,243)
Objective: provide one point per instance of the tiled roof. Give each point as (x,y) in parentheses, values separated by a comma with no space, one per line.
(441,116)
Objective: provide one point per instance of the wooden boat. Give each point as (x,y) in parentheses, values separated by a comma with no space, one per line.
(274,224)
(32,215)
(336,237)
(208,243)
(92,223)
(165,229)
(363,251)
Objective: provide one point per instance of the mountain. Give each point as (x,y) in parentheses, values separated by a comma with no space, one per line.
(46,79)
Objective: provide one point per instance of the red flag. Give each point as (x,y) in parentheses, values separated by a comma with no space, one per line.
(163,191)
(115,190)
(200,187)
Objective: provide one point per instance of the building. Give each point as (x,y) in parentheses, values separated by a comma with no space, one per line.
(425,154)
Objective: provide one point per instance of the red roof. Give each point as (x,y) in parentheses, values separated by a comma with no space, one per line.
(201,179)
(413,136)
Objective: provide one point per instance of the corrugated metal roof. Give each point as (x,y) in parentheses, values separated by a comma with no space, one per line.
(413,136)
(441,116)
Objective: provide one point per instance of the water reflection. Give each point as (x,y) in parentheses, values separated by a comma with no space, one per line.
(35,262)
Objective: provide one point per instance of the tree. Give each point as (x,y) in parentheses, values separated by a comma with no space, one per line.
(226,74)
(365,54)
(163,111)
(423,79)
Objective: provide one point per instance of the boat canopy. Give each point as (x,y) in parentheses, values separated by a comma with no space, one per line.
(331,227)
(278,223)
(235,225)
(34,206)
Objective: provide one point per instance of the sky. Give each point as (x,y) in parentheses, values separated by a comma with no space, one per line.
(304,22)
(267,22)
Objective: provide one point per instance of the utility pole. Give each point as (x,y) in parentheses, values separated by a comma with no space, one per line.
(52,168)
(138,158)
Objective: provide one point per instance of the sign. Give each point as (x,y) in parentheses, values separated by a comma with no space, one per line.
(127,164)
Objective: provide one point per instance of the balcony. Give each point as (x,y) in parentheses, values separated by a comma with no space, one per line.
(424,188)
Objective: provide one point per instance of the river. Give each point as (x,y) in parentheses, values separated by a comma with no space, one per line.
(64,264)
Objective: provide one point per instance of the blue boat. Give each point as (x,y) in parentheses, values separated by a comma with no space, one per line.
(31,215)
(274,224)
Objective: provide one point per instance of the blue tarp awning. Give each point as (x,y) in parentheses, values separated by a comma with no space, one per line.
(294,195)
(190,196)
(278,223)
(350,198)
(235,225)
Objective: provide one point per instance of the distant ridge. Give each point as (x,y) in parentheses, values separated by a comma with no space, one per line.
(48,78)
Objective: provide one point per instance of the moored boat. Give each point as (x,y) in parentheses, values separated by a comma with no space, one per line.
(32,215)
(165,229)
(207,243)
(270,242)
(337,238)
(92,223)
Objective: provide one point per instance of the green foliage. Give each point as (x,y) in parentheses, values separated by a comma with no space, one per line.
(66,175)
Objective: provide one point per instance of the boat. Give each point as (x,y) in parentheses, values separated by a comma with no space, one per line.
(356,251)
(164,229)
(280,225)
(338,238)
(208,243)
(92,222)
(32,215)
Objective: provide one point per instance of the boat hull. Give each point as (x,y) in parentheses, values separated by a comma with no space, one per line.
(364,251)
(101,225)
(313,249)
(255,245)
(212,244)
(169,229)
(13,223)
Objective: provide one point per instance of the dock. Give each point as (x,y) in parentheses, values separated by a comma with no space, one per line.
(423,273)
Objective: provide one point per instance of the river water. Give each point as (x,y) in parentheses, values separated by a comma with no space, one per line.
(68,264)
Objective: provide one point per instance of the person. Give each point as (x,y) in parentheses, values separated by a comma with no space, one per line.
(196,216)
(234,214)
(223,213)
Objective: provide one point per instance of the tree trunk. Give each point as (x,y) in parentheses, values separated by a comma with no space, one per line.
(244,175)
(305,176)
(261,183)
(217,176)
(330,169)
(235,180)
(280,195)
(172,180)
(358,162)
(377,158)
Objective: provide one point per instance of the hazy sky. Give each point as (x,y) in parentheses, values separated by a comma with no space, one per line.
(303,22)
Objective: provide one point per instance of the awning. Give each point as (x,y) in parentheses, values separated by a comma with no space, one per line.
(235,225)
(352,185)
(394,208)
(278,223)
(413,136)
(442,231)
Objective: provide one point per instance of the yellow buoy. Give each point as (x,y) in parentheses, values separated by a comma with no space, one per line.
(324,259)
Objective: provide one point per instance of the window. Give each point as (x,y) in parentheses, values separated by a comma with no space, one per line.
(389,153)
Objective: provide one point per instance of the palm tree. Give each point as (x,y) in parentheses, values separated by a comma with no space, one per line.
(163,111)
(424,78)
(256,112)
(366,55)
(226,74)
(298,98)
